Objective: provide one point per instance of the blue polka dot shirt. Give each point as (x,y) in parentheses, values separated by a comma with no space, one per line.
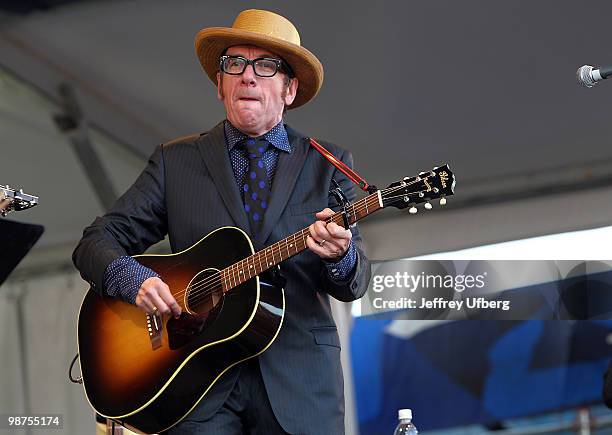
(124,276)
(240,162)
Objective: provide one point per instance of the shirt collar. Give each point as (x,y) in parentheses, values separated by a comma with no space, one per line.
(277,136)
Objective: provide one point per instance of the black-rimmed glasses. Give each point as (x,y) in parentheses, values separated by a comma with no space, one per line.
(262,66)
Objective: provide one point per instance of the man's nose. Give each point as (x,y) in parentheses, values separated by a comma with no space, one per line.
(248,76)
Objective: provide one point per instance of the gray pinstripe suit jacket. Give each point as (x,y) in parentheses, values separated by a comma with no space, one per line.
(187,190)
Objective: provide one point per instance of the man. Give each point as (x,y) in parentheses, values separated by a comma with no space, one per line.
(4,203)
(254,172)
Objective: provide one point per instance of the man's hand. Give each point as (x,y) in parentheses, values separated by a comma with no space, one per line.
(328,240)
(4,203)
(154,296)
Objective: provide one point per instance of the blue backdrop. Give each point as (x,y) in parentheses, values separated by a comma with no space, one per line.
(469,372)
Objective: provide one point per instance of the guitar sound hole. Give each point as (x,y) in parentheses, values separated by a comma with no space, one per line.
(205,292)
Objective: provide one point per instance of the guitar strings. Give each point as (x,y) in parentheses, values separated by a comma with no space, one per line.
(207,286)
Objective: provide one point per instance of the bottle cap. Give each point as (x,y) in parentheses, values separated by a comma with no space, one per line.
(404,414)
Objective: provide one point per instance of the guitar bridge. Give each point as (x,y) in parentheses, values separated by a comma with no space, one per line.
(155,326)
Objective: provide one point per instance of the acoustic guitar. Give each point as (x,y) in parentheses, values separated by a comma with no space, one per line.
(139,369)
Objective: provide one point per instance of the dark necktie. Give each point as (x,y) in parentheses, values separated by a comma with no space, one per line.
(256,187)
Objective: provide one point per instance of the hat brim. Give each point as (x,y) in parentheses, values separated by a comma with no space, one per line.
(210,43)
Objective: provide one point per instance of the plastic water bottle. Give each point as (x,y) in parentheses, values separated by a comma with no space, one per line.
(405,426)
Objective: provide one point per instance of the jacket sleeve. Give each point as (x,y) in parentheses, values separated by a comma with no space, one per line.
(357,282)
(136,221)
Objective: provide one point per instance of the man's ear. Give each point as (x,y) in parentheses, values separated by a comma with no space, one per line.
(291,91)
(219,84)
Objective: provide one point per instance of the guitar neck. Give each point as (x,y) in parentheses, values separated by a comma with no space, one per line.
(274,254)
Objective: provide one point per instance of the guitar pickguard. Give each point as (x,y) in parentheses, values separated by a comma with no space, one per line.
(187,327)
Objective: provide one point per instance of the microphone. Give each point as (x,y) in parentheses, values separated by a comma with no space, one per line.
(588,76)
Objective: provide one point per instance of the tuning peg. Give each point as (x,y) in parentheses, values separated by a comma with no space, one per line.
(428,206)
(412,210)
(443,201)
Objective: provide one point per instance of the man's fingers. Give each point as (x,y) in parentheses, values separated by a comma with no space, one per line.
(325,213)
(319,231)
(325,250)
(154,295)
(315,247)
(159,302)
(328,240)
(164,292)
(144,304)
(330,233)
(339,232)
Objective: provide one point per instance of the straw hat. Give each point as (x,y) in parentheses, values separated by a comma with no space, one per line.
(269,31)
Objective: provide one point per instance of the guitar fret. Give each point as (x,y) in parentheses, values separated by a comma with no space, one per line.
(231,275)
(235,274)
(240,272)
(260,267)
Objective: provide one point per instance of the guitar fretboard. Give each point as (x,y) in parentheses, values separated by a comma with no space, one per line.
(263,260)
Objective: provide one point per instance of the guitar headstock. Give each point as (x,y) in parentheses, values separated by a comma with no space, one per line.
(15,200)
(425,187)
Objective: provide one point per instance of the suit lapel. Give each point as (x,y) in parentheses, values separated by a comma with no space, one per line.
(287,171)
(216,157)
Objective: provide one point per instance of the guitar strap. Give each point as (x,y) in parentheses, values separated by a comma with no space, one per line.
(352,175)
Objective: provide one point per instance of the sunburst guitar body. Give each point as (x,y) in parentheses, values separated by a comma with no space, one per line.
(147,372)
